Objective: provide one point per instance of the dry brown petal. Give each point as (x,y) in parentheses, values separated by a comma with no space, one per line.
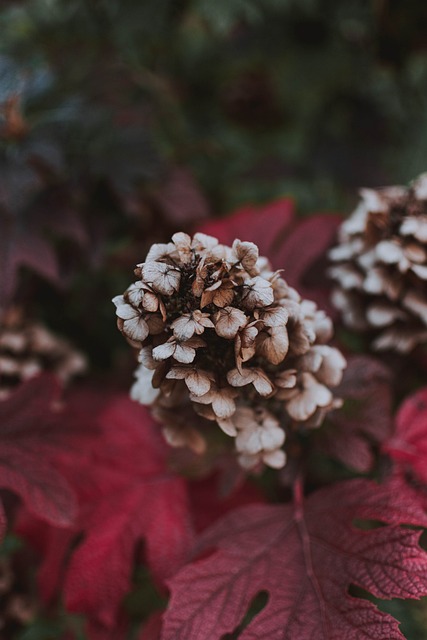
(401,339)
(273,316)
(135,293)
(135,328)
(273,345)
(184,352)
(274,459)
(150,302)
(229,321)
(382,314)
(420,187)
(247,254)
(143,390)
(165,350)
(244,344)
(329,370)
(389,252)
(190,323)
(221,294)
(222,401)
(182,241)
(299,338)
(9,366)
(197,380)
(305,401)
(415,253)
(155,323)
(13,341)
(184,327)
(202,242)
(347,276)
(286,379)
(420,271)
(164,278)
(227,425)
(415,226)
(259,432)
(254,376)
(145,357)
(258,292)
(311,360)
(179,436)
(416,302)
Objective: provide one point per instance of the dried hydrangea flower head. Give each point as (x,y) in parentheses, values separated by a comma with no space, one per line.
(27,348)
(380,266)
(222,336)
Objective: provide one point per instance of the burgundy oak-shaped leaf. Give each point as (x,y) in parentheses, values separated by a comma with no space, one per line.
(296,246)
(264,225)
(29,431)
(126,493)
(408,445)
(365,420)
(306,557)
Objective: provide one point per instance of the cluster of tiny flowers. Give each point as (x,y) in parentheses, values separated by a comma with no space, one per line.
(27,349)
(220,334)
(380,266)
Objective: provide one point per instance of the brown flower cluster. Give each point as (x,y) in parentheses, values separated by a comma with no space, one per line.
(220,334)
(28,348)
(380,266)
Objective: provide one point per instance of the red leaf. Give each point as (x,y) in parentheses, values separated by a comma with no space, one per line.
(126,493)
(408,445)
(366,417)
(306,557)
(305,245)
(262,225)
(208,503)
(28,428)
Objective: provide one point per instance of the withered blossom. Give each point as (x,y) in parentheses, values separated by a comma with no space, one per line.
(380,266)
(28,348)
(224,339)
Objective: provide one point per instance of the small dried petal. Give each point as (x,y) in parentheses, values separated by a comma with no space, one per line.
(229,321)
(247,253)
(272,316)
(254,376)
(164,278)
(190,323)
(222,401)
(142,390)
(258,293)
(274,344)
(197,380)
(159,252)
(305,402)
(165,350)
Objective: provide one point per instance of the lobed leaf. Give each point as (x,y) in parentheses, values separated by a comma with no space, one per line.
(306,557)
